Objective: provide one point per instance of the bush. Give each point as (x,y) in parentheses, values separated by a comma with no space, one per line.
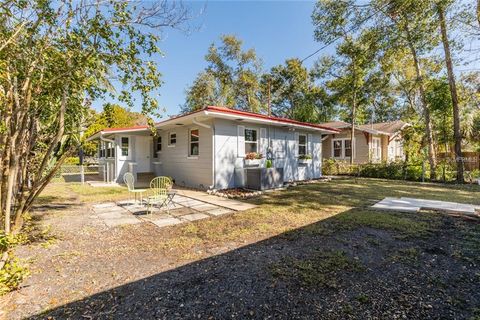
(12,273)
(72,161)
(338,167)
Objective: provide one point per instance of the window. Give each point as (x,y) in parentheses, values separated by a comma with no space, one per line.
(124,146)
(194,143)
(102,150)
(251,143)
(172,139)
(342,148)
(157,146)
(376,149)
(337,148)
(302,145)
(348,148)
(110,150)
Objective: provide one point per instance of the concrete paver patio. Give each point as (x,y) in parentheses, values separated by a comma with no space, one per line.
(186,206)
(415,205)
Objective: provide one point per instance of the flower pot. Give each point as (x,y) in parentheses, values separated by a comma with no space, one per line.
(252,162)
(305,161)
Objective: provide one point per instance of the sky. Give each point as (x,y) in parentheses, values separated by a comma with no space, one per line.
(278,30)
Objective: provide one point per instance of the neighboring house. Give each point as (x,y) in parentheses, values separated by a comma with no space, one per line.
(207,148)
(375,142)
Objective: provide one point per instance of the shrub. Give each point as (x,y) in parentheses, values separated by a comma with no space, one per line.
(12,274)
(72,161)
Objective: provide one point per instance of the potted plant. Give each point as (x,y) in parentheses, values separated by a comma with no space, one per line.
(253,158)
(305,158)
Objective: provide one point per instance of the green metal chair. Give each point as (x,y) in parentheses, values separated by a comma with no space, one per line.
(159,188)
(129,180)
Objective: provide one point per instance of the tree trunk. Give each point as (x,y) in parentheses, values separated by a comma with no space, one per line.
(478,12)
(453,91)
(426,111)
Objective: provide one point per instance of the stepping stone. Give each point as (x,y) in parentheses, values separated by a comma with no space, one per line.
(111,215)
(191,203)
(105,205)
(204,207)
(194,216)
(181,212)
(219,211)
(166,222)
(155,216)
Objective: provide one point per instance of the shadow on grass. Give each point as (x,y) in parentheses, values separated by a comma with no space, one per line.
(336,268)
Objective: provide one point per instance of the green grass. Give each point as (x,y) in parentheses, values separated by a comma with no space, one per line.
(70,192)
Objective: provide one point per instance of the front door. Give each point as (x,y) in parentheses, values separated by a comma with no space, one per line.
(142,152)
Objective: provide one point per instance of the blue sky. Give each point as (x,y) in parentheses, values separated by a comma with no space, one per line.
(278,30)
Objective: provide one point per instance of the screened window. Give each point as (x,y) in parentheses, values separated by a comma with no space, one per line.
(251,143)
(194,142)
(157,146)
(337,148)
(110,150)
(302,145)
(124,146)
(348,148)
(172,139)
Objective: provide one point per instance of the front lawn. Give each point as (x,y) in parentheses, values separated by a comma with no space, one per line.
(315,250)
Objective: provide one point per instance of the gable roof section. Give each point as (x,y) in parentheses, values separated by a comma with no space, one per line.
(385,128)
(245,115)
(389,127)
(222,112)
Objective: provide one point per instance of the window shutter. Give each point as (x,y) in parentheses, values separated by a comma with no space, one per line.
(310,144)
(263,141)
(296,144)
(241,141)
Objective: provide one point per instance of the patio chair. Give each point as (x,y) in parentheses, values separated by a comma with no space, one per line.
(159,187)
(129,180)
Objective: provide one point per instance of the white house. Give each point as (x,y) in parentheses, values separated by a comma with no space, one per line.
(208,148)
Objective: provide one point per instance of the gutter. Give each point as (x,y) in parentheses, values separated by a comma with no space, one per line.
(201,124)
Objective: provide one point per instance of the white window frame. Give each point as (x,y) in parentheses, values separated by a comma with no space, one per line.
(378,148)
(190,156)
(155,146)
(305,145)
(342,156)
(256,141)
(129,148)
(169,142)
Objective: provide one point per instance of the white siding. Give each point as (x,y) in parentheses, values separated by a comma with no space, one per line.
(186,171)
(228,162)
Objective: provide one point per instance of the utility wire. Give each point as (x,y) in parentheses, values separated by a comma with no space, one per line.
(349,30)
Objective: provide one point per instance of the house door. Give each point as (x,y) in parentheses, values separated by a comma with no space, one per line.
(142,152)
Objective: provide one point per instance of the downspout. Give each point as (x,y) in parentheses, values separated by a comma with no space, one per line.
(201,124)
(114,162)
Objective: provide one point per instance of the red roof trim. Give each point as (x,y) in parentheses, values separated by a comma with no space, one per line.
(265,117)
(229,111)
(126,128)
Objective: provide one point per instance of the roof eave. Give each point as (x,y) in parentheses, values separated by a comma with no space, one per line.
(269,121)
